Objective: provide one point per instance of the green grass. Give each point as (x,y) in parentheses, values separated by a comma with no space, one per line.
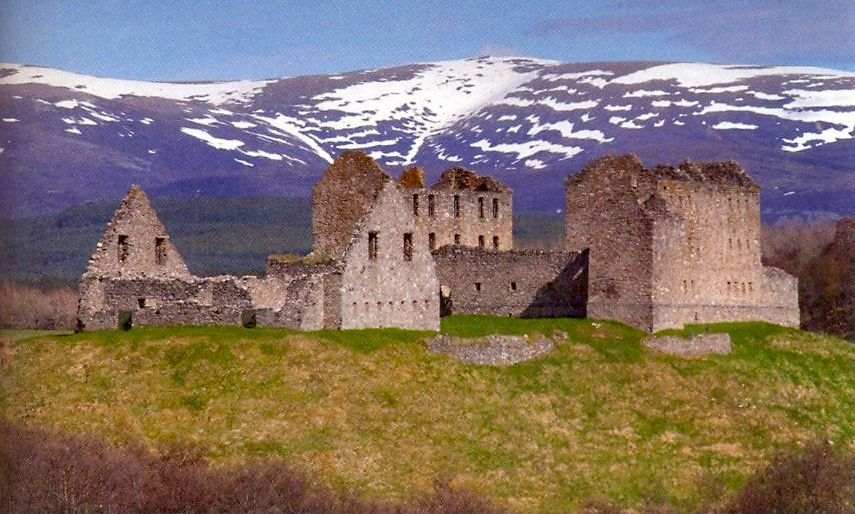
(600,417)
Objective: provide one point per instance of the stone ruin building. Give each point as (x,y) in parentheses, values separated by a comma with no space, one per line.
(371,267)
(651,248)
(674,245)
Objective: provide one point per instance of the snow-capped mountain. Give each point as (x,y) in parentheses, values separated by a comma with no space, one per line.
(68,138)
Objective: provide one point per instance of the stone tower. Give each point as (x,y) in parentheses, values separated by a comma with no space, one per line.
(674,245)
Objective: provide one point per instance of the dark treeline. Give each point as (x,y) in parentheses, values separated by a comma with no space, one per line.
(822,256)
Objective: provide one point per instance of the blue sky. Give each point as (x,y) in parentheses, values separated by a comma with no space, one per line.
(195,40)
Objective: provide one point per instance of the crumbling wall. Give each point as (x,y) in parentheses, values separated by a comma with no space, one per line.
(136,244)
(342,198)
(524,283)
(173,301)
(604,213)
(461,208)
(295,301)
(381,285)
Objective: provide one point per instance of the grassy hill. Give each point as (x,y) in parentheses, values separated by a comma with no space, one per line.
(600,418)
(214,235)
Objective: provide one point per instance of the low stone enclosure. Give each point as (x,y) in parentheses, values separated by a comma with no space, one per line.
(696,345)
(651,248)
(492,350)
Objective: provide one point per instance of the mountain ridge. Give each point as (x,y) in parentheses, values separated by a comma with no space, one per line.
(71,138)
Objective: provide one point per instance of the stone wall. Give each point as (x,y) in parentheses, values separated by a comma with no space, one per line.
(293,301)
(461,208)
(694,346)
(342,198)
(603,213)
(383,286)
(671,246)
(155,301)
(526,283)
(491,350)
(136,244)
(465,226)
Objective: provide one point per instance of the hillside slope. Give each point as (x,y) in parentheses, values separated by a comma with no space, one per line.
(598,418)
(70,138)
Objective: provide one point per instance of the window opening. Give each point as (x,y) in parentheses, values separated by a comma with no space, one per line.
(123,248)
(408,246)
(372,245)
(160,251)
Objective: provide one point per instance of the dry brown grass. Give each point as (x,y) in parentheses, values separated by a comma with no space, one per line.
(28,307)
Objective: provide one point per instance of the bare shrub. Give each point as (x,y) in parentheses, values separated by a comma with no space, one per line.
(815,479)
(43,471)
(5,357)
(23,306)
(792,245)
(447,498)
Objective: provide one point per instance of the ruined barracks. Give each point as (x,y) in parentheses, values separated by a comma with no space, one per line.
(653,248)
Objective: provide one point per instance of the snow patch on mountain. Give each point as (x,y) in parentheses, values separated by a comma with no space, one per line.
(765,96)
(668,103)
(826,136)
(565,128)
(729,125)
(435,97)
(216,142)
(552,77)
(528,148)
(208,121)
(291,126)
(111,89)
(642,93)
(703,74)
(823,98)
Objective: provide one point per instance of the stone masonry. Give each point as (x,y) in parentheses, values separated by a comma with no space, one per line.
(523,283)
(371,267)
(654,248)
(674,245)
(461,209)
